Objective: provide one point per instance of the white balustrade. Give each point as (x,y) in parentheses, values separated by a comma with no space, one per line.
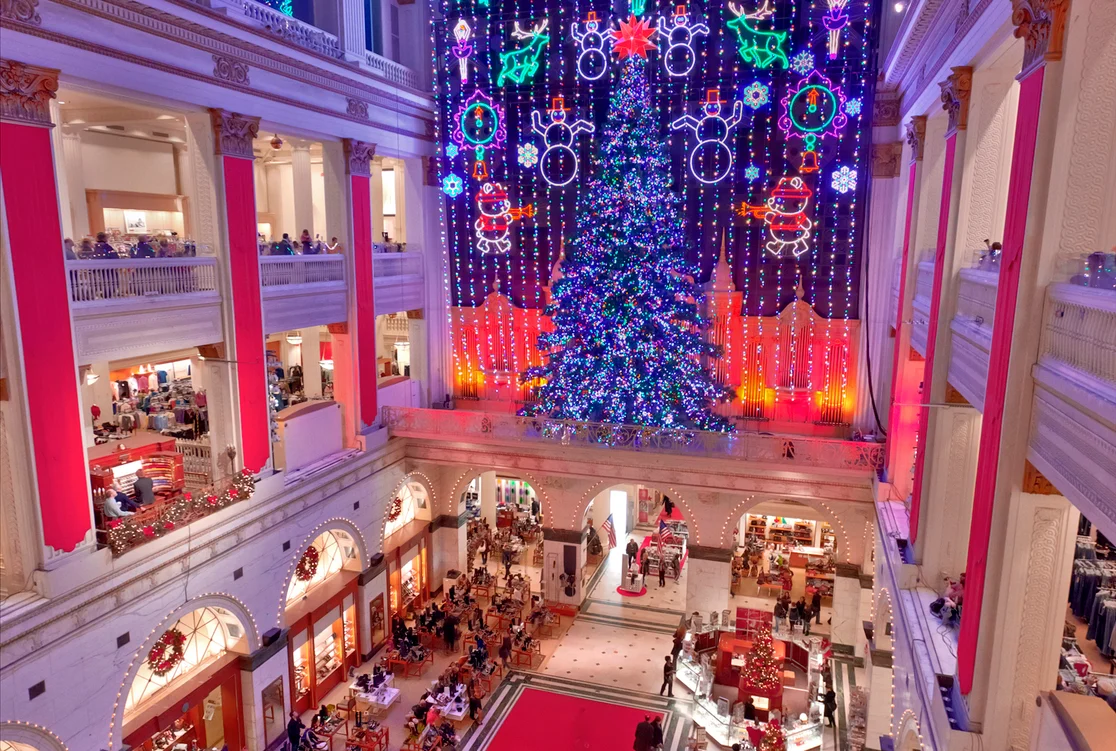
(976,298)
(95,282)
(924,282)
(285,271)
(292,30)
(391,70)
(388,265)
(1080,330)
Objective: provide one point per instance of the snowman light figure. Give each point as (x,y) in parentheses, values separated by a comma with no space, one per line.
(711,157)
(558,165)
(784,213)
(679,58)
(592,63)
(496,216)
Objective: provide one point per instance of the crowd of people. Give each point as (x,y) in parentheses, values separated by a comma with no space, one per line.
(304,246)
(145,246)
(797,614)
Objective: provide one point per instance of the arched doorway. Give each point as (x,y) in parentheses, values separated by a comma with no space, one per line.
(18,736)
(184,684)
(322,615)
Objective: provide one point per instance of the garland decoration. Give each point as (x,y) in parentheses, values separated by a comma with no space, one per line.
(167,653)
(308,564)
(126,533)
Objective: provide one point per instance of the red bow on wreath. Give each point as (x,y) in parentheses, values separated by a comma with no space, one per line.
(167,653)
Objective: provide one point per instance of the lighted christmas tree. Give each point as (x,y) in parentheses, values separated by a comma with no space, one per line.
(627,344)
(761,668)
(774,739)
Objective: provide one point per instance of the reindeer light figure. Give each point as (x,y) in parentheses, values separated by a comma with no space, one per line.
(760,48)
(521,64)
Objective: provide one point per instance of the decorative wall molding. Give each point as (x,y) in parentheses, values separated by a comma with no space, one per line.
(709,553)
(233,133)
(1034,481)
(885,108)
(25,92)
(358,157)
(568,536)
(228,69)
(957,90)
(356,108)
(1041,24)
(985,185)
(886,159)
(431,167)
(916,137)
(23,11)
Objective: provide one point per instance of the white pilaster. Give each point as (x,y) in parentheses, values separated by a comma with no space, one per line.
(311,361)
(846,628)
(215,378)
(707,584)
(421,355)
(65,197)
(199,182)
(945,536)
(488,497)
(303,189)
(351,31)
(254,680)
(376,188)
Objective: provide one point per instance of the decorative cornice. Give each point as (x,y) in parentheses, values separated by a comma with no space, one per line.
(233,133)
(886,159)
(885,108)
(848,570)
(228,69)
(916,137)
(251,662)
(956,91)
(709,553)
(1041,24)
(356,108)
(568,536)
(21,10)
(358,157)
(25,92)
(451,521)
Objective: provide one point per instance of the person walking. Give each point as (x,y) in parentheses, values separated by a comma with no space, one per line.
(294,730)
(830,704)
(662,574)
(644,568)
(679,638)
(449,632)
(643,735)
(632,550)
(668,677)
(815,605)
(807,617)
(507,563)
(780,615)
(484,551)
(506,648)
(657,732)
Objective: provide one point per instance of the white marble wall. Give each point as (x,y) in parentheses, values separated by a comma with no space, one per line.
(847,627)
(252,685)
(707,586)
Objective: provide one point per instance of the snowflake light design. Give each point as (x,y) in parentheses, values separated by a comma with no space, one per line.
(853,107)
(528,154)
(843,180)
(452,185)
(802,63)
(755,95)
(752,172)
(452,150)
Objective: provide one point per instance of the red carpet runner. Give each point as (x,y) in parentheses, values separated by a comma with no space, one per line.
(545,721)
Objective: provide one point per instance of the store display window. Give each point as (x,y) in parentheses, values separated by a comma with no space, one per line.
(350,625)
(300,652)
(325,557)
(378,621)
(328,652)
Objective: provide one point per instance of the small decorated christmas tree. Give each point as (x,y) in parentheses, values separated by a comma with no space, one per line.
(773,738)
(761,668)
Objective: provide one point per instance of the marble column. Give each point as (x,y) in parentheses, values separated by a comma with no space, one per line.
(956,92)
(708,573)
(488,497)
(351,30)
(48,388)
(303,189)
(563,554)
(847,630)
(65,209)
(258,671)
(199,180)
(311,361)
(376,192)
(448,542)
(371,584)
(953,474)
(215,377)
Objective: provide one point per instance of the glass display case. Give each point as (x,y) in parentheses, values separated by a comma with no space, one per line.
(301,667)
(350,626)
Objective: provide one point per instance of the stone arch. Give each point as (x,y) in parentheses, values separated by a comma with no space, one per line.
(472,473)
(821,507)
(882,617)
(336,523)
(427,485)
(577,512)
(456,500)
(26,735)
(216,600)
(908,737)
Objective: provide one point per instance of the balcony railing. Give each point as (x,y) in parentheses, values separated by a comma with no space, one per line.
(392,70)
(976,299)
(386,265)
(1080,331)
(971,333)
(920,314)
(790,451)
(290,29)
(285,271)
(96,282)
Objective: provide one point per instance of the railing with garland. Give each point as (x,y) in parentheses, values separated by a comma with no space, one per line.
(796,451)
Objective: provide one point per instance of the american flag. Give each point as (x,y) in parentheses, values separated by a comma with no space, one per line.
(666,534)
(610,531)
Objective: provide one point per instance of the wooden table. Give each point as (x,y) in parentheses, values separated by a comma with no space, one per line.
(369,740)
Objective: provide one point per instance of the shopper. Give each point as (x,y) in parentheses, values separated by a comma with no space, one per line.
(815,605)
(750,709)
(483,551)
(449,632)
(294,730)
(68,250)
(657,732)
(475,702)
(780,615)
(668,677)
(643,735)
(102,250)
(505,648)
(143,248)
(143,488)
(807,617)
(679,638)
(644,567)
(306,243)
(662,574)
(830,704)
(283,247)
(632,550)
(507,562)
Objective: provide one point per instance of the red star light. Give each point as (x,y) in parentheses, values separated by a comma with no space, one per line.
(633,38)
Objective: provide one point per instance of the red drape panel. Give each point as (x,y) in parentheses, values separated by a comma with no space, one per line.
(932,327)
(365,302)
(244,266)
(42,303)
(988,458)
(893,421)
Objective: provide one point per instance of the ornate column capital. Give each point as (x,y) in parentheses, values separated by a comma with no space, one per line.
(885,108)
(1041,24)
(916,137)
(886,158)
(233,133)
(956,91)
(358,157)
(25,93)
